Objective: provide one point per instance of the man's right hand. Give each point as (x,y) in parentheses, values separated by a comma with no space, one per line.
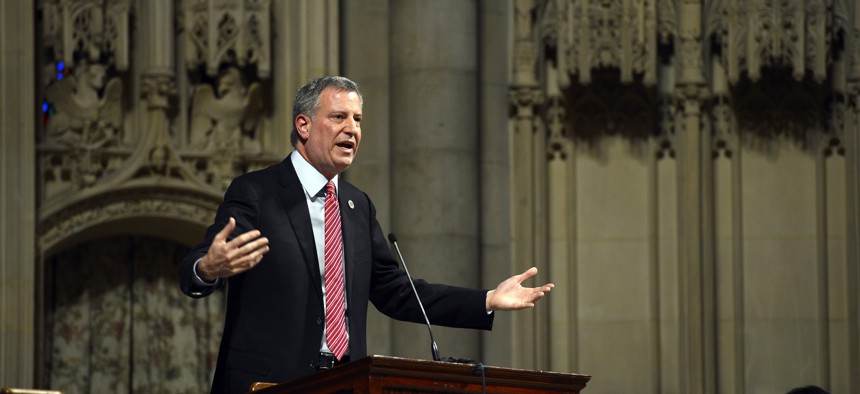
(227,258)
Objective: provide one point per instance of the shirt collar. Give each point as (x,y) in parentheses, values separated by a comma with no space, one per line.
(312,181)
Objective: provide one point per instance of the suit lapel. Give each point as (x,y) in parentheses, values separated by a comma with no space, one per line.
(348,229)
(292,195)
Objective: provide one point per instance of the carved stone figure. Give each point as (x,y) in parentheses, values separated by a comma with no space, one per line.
(87,117)
(88,110)
(229,119)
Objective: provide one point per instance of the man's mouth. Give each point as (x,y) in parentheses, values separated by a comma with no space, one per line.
(346,144)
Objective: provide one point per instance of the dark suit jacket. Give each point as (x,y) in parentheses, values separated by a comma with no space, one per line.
(274,320)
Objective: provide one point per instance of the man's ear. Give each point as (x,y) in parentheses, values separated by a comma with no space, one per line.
(303,124)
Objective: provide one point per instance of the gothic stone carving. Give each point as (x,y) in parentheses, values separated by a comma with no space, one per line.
(608,107)
(98,165)
(555,118)
(722,120)
(586,38)
(595,34)
(90,29)
(119,207)
(231,32)
(226,119)
(756,34)
(227,41)
(525,46)
(86,116)
(86,43)
(159,159)
(779,107)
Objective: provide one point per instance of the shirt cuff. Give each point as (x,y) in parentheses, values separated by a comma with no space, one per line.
(199,281)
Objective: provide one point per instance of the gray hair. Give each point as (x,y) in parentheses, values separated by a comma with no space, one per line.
(307,100)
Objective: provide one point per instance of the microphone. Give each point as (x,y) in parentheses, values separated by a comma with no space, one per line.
(434,348)
(477,366)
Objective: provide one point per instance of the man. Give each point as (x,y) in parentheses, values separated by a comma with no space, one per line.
(303,306)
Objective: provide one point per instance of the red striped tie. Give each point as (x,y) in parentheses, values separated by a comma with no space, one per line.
(335,324)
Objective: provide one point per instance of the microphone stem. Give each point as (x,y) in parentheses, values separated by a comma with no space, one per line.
(433,346)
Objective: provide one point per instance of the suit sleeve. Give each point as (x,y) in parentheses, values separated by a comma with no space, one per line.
(392,294)
(241,203)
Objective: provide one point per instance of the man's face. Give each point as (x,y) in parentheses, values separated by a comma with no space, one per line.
(329,141)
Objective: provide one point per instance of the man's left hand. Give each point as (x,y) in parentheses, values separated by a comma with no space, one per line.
(511,295)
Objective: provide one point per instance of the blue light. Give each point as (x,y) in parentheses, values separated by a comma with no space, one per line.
(60,66)
(59,76)
(44,107)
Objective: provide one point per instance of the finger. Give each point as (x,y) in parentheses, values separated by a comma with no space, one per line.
(530,273)
(250,254)
(244,238)
(252,245)
(250,260)
(253,257)
(532,297)
(222,235)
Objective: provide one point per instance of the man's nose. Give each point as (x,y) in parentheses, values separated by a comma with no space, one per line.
(352,126)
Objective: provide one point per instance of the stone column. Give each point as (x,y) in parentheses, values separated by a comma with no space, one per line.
(525,101)
(435,156)
(365,53)
(852,142)
(526,98)
(306,45)
(157,25)
(690,244)
(495,169)
(696,287)
(560,205)
(157,84)
(18,274)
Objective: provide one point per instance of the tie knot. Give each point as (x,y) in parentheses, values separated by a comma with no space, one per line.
(330,189)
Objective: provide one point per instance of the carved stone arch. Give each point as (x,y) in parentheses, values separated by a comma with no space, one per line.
(109,265)
(164,213)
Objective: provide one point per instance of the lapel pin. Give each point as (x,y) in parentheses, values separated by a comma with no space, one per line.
(351,204)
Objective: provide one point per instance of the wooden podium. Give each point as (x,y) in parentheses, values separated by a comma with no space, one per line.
(378,374)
